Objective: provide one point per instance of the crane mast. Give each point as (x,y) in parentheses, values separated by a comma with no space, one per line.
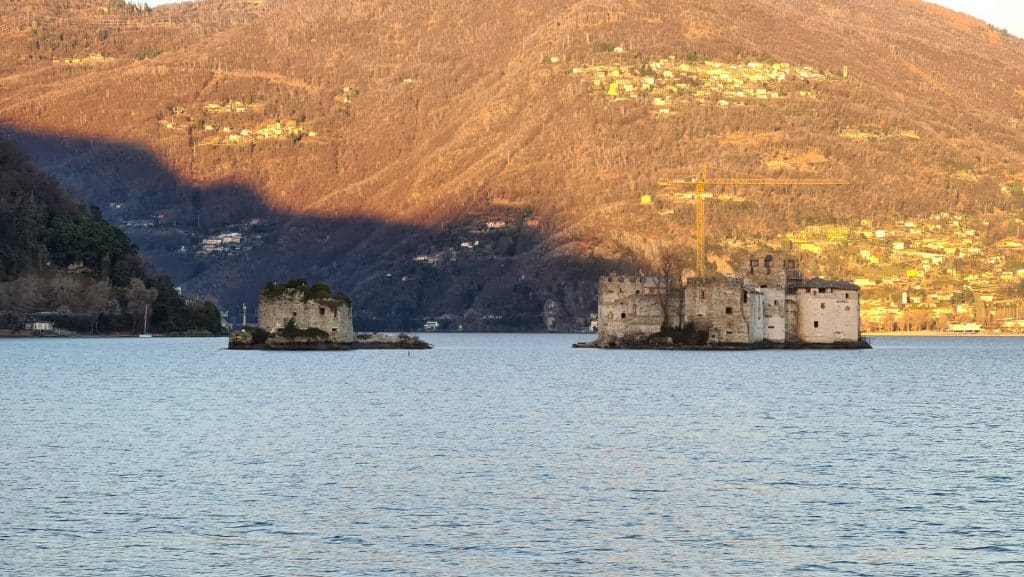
(700,183)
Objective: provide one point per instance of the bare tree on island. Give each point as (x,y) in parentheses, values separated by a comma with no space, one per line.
(140,302)
(685,265)
(668,273)
(96,300)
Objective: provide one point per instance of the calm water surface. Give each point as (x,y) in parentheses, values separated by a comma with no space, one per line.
(510,455)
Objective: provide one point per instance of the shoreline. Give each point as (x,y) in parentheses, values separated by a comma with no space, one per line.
(762,346)
(8,334)
(940,334)
(4,334)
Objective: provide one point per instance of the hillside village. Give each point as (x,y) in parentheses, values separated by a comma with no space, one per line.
(211,124)
(231,240)
(669,83)
(863,134)
(926,274)
(920,274)
(90,60)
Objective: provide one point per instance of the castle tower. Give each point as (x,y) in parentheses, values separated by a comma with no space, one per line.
(771,277)
(629,307)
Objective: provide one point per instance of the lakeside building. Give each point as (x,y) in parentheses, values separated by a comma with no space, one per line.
(769,305)
(42,322)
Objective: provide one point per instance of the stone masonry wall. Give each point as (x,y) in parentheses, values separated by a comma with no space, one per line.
(328,315)
(717,305)
(770,274)
(770,301)
(774,314)
(792,319)
(631,306)
(827,316)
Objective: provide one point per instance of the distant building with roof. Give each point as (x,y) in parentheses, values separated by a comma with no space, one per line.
(41,322)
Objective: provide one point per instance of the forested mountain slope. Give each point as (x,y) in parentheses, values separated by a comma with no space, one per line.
(58,258)
(363,135)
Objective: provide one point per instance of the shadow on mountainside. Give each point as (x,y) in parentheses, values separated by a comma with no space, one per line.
(222,241)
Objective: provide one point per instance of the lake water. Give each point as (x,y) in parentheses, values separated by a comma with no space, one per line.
(502,455)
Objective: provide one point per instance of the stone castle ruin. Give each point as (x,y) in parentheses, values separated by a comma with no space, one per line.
(769,304)
(634,305)
(297,316)
(306,308)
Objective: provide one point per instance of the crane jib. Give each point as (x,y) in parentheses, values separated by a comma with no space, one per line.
(699,195)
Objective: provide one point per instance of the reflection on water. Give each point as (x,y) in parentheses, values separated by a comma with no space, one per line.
(510,455)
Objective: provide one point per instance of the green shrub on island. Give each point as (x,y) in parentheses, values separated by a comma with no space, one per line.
(277,290)
(291,331)
(320,291)
(685,335)
(259,336)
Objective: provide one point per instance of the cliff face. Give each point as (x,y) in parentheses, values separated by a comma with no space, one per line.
(367,135)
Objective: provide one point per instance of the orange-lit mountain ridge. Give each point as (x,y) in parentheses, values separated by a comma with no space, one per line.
(367,134)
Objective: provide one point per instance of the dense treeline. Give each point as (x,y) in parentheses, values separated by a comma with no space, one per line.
(43,226)
(61,260)
(43,30)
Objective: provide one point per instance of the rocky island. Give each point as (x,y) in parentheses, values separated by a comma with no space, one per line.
(297,316)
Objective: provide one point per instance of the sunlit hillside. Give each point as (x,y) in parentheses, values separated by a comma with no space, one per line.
(378,133)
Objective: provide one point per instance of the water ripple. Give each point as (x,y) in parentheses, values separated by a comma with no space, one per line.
(510,455)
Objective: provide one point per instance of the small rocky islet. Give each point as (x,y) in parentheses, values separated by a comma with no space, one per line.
(297,316)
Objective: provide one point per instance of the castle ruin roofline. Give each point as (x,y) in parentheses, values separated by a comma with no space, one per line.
(714,280)
(300,289)
(644,280)
(820,283)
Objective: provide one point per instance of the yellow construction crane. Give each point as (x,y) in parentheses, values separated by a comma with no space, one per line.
(699,183)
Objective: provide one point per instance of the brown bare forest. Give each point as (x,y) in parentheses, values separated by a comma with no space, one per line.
(375,142)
